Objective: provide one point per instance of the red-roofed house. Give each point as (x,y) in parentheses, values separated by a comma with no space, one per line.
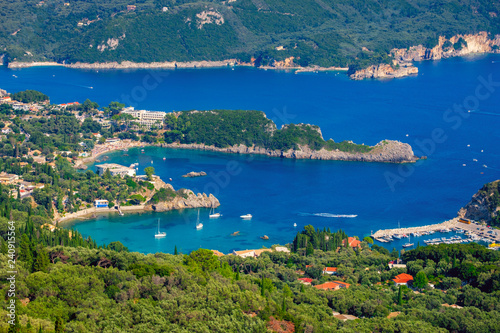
(330,270)
(353,242)
(402,279)
(309,266)
(306,281)
(333,285)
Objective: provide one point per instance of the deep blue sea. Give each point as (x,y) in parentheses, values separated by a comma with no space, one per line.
(428,111)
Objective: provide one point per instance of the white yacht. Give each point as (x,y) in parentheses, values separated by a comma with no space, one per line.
(246,217)
(158,233)
(199,225)
(213,214)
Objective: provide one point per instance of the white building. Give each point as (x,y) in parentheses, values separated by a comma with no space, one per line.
(146,118)
(115,169)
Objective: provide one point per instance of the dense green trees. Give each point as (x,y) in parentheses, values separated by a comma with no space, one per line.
(80,287)
(328,33)
(29,96)
(223,128)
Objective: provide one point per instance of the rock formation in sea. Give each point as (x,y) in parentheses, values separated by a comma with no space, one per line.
(458,45)
(484,205)
(193,174)
(387,151)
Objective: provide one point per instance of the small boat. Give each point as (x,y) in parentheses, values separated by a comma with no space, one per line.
(397,236)
(158,233)
(164,158)
(295,224)
(151,161)
(246,217)
(408,244)
(170,179)
(213,214)
(199,225)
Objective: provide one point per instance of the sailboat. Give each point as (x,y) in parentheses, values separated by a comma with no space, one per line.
(160,234)
(198,224)
(409,243)
(213,214)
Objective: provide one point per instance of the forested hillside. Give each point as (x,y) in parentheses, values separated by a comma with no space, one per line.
(320,32)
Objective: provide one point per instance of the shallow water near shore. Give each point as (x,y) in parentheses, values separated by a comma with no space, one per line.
(281,192)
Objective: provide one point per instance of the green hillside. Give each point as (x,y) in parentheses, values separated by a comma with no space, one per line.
(320,32)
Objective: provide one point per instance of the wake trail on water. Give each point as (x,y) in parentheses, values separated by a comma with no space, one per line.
(486,113)
(329,215)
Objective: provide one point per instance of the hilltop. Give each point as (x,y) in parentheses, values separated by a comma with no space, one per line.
(484,205)
(258,32)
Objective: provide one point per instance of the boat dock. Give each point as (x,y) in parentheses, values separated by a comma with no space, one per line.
(472,231)
(389,233)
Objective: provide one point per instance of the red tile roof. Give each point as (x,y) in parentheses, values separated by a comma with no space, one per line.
(353,242)
(335,285)
(403,278)
(330,269)
(305,279)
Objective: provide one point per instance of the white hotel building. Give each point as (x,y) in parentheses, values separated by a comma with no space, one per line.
(146,118)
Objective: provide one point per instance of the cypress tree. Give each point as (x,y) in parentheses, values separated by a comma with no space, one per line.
(400,296)
(175,250)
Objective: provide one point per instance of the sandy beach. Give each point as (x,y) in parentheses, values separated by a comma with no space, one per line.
(89,213)
(109,147)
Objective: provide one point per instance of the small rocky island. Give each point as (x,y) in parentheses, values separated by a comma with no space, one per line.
(193,174)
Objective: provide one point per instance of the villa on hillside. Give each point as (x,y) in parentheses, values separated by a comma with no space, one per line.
(250,253)
(115,169)
(402,279)
(333,285)
(330,270)
(353,242)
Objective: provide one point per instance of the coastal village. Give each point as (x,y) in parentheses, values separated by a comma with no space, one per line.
(91,150)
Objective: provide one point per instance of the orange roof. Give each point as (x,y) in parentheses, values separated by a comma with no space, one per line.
(402,278)
(353,242)
(335,285)
(330,269)
(305,279)
(309,266)
(217,253)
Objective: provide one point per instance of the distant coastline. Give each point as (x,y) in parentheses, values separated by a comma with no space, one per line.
(168,65)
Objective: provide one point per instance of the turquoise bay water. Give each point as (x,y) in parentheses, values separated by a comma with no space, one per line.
(280,192)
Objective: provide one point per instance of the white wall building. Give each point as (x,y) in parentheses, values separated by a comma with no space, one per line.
(146,118)
(115,169)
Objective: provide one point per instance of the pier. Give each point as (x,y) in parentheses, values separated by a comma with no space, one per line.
(426,228)
(473,231)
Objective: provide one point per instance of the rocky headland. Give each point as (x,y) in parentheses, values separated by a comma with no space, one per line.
(188,199)
(484,205)
(459,45)
(386,151)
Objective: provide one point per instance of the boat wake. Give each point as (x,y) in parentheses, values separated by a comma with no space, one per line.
(329,215)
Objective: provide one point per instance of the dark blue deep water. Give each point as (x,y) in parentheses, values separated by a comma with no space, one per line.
(431,108)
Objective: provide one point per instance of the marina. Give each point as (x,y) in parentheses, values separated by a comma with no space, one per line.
(464,231)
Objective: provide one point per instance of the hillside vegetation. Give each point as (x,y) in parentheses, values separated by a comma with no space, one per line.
(320,32)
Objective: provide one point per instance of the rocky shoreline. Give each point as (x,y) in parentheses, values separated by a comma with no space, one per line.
(402,64)
(386,151)
(188,200)
(171,65)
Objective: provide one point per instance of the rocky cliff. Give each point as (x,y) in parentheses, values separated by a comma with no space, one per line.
(386,151)
(458,45)
(484,205)
(385,71)
(187,199)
